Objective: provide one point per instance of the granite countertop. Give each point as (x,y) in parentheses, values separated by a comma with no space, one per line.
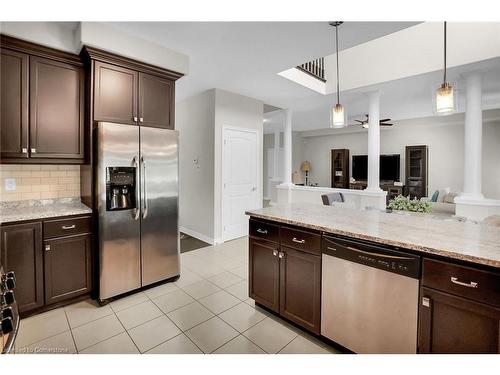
(41,209)
(425,233)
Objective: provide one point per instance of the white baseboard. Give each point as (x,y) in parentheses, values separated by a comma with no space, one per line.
(197,235)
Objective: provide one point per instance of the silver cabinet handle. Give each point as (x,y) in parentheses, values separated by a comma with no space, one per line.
(262,231)
(145,195)
(298,241)
(47,247)
(24,150)
(426,302)
(275,253)
(33,150)
(141,119)
(65,227)
(472,284)
(281,255)
(134,118)
(137,208)
(331,248)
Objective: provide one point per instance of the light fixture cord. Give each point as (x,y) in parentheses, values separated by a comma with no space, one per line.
(337,53)
(444,51)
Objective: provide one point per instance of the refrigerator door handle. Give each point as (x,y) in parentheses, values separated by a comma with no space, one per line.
(145,191)
(137,210)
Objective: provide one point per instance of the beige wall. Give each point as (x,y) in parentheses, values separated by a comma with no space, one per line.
(40,181)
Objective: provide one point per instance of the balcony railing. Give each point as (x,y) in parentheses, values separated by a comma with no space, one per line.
(315,68)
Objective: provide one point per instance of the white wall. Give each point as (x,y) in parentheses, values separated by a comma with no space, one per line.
(200,120)
(194,119)
(446,150)
(71,36)
(59,35)
(236,111)
(419,50)
(100,35)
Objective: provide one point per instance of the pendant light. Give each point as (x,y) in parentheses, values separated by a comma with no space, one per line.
(445,101)
(337,115)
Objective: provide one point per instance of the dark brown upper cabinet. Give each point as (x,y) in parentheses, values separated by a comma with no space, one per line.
(128,91)
(115,94)
(42,104)
(56,109)
(21,252)
(156,101)
(14,104)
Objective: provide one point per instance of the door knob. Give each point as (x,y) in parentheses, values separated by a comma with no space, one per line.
(275,253)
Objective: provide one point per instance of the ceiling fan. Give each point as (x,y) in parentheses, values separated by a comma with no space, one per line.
(364,123)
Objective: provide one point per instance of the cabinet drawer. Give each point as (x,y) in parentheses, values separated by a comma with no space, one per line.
(478,285)
(269,232)
(301,240)
(66,227)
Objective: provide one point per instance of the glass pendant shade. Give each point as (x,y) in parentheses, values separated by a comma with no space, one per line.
(445,100)
(337,117)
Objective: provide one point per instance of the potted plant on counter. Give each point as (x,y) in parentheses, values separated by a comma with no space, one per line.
(401,203)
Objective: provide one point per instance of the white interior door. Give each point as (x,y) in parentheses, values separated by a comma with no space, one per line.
(240,180)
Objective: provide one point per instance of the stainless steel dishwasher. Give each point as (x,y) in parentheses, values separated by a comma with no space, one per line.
(369,296)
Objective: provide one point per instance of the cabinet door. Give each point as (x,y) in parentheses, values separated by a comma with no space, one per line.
(156,101)
(264,273)
(300,288)
(56,109)
(21,252)
(67,267)
(14,104)
(451,324)
(115,95)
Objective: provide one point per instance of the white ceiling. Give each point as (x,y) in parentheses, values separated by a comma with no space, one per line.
(245,57)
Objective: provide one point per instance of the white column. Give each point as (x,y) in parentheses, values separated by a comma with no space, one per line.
(277,165)
(287,148)
(374,142)
(473,138)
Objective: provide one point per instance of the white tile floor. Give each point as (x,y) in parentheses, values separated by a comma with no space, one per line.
(206,311)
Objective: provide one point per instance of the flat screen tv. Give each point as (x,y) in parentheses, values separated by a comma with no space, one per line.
(389,167)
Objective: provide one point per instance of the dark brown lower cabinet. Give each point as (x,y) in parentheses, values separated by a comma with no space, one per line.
(452,324)
(21,252)
(286,281)
(67,267)
(264,281)
(300,288)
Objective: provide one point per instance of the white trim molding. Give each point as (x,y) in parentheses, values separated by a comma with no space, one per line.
(197,235)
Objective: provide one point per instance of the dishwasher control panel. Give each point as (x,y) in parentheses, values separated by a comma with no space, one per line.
(373,256)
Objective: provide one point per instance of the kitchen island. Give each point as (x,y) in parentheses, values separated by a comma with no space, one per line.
(377,282)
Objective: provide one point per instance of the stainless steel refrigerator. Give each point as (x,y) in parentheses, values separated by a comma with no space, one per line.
(137,188)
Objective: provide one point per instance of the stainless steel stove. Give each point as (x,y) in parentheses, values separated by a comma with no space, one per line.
(9,315)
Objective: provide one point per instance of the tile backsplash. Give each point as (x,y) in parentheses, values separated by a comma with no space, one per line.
(24,182)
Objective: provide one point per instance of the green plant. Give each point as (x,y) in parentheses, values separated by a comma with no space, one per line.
(406,204)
